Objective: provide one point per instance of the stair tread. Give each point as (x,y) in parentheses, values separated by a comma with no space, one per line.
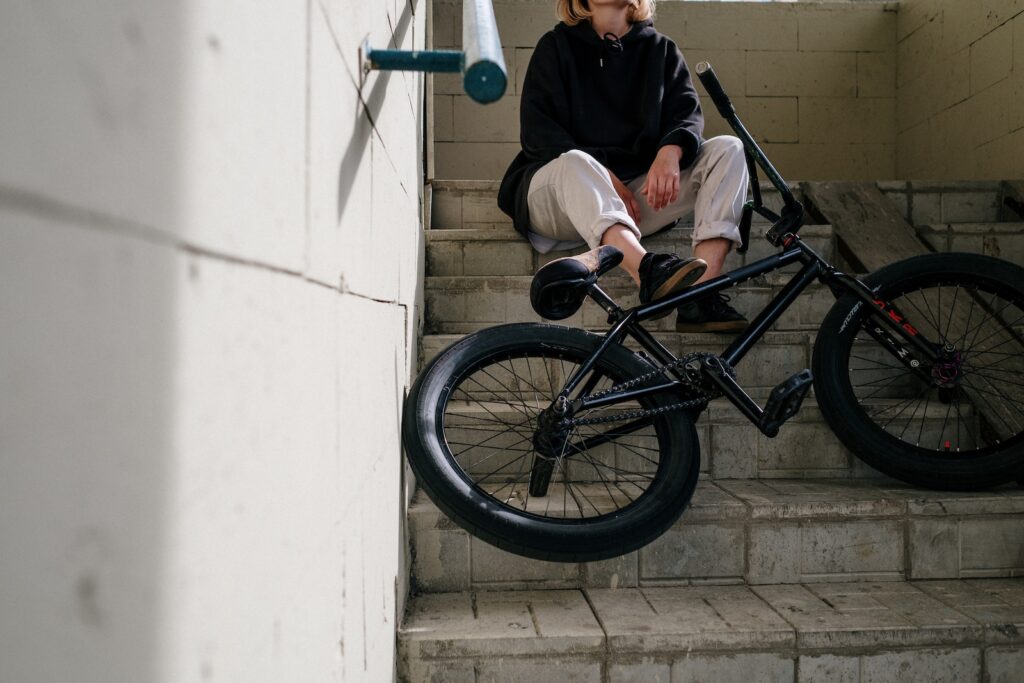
(713,619)
(789,499)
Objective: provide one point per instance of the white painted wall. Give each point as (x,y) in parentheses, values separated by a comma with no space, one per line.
(210,255)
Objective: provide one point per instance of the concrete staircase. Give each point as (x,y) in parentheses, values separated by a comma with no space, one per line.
(794,561)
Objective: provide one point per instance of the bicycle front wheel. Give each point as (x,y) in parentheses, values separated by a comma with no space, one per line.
(470,430)
(956,425)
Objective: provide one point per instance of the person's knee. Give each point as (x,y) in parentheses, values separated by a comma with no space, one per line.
(725,146)
(578,161)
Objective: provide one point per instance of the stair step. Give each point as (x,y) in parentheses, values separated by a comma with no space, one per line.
(761,532)
(776,356)
(915,631)
(473,204)
(466,303)
(505,252)
(731,447)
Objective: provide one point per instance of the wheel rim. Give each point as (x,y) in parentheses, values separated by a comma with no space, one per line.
(973,402)
(488,426)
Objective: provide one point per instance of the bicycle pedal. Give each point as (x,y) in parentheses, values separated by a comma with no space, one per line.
(784,402)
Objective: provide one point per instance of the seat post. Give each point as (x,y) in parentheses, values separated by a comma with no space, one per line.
(604,301)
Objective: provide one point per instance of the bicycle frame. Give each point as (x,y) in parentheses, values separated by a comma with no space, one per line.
(891,328)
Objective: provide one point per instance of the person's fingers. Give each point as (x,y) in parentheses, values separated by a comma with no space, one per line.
(662,183)
(675,189)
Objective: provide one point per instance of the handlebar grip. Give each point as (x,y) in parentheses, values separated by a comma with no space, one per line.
(707,76)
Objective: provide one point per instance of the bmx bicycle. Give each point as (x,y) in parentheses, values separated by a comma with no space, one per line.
(560,444)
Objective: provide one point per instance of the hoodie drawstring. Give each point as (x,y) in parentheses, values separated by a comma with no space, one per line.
(612,46)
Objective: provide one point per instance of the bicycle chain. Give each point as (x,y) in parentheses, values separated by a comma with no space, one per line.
(700,401)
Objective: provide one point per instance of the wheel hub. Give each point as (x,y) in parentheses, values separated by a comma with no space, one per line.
(948,370)
(551,435)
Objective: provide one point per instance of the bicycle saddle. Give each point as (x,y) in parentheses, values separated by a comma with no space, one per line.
(559,288)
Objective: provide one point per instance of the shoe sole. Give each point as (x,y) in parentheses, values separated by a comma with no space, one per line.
(681,279)
(730,326)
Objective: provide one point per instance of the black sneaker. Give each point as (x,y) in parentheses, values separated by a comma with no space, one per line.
(711,313)
(663,274)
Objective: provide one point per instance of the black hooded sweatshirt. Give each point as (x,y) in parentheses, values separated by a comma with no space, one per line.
(619,100)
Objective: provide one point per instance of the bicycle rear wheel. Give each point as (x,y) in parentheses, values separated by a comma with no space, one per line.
(959,425)
(470,432)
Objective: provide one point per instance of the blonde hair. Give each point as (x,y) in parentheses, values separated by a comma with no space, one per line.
(573,12)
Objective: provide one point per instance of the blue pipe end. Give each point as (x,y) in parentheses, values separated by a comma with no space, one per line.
(485,82)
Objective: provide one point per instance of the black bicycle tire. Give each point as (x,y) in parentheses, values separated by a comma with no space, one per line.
(862,436)
(558,541)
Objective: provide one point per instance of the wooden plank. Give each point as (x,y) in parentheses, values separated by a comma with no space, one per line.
(866,221)
(875,235)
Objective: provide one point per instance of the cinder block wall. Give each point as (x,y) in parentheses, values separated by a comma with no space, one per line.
(961,89)
(814,81)
(210,243)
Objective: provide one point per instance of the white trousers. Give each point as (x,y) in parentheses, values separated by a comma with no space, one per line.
(572,199)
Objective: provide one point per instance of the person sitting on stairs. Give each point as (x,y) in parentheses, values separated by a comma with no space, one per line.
(611,130)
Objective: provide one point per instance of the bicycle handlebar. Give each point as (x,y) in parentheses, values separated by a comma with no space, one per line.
(707,76)
(793,211)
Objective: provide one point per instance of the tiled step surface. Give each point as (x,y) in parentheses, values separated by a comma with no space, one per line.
(936,631)
(761,532)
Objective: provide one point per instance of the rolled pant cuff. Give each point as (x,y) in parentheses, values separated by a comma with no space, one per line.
(607,220)
(717,230)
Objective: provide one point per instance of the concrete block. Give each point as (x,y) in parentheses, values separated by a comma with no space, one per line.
(547,670)
(641,671)
(444,126)
(852,548)
(926,208)
(1003,664)
(491,565)
(866,615)
(940,666)
(734,668)
(446,212)
(731,454)
(970,207)
(828,669)
(502,624)
(653,620)
(483,258)
(473,160)
(842,30)
(934,549)
(443,20)
(441,560)
(695,551)
(773,554)
(876,74)
(992,544)
(618,572)
(522,24)
(831,120)
(495,122)
(823,74)
(755,27)
(523,55)
(991,58)
(483,208)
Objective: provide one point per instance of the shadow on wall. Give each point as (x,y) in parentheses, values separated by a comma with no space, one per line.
(89,171)
(373,101)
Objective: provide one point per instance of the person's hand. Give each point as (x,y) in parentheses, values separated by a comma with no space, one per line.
(662,185)
(626,195)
